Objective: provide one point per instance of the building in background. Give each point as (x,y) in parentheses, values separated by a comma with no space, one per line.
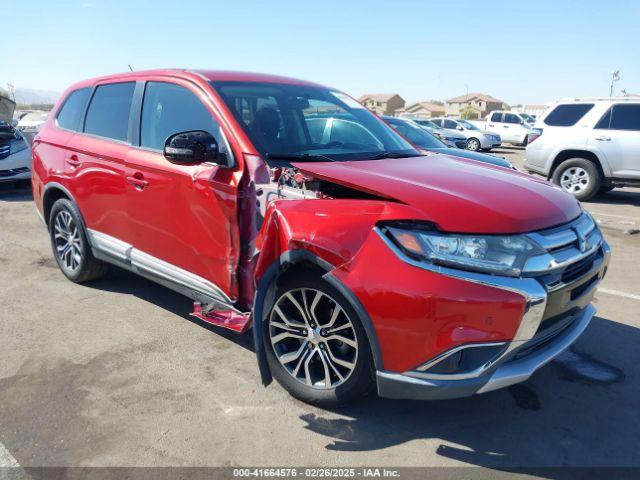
(421,110)
(382,103)
(533,109)
(472,105)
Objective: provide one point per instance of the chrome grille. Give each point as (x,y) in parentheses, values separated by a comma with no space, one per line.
(568,247)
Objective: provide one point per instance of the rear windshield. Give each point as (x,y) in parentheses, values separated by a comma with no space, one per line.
(567,115)
(71,112)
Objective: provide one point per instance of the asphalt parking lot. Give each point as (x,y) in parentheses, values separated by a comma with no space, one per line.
(117,373)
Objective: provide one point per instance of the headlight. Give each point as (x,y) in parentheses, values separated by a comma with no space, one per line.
(497,254)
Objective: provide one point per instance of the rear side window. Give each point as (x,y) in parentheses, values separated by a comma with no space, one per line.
(70,114)
(168,109)
(567,115)
(108,114)
(621,117)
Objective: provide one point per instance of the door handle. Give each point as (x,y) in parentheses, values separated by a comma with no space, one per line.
(73,160)
(603,139)
(505,126)
(137,180)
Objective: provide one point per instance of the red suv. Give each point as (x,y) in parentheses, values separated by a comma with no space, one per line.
(286,206)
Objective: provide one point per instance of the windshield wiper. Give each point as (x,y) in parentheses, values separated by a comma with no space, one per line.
(381,155)
(302,157)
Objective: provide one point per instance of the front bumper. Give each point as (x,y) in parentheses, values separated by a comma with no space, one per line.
(490,143)
(558,309)
(514,370)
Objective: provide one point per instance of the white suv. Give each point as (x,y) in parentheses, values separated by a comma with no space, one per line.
(588,146)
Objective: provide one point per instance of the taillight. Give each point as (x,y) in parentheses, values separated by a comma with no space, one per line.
(534,134)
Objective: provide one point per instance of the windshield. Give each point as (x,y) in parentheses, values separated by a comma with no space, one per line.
(311,123)
(416,135)
(527,118)
(427,123)
(467,125)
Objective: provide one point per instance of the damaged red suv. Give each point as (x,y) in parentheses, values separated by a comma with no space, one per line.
(285,206)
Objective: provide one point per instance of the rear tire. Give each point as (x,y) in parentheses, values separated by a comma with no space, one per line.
(69,243)
(579,177)
(320,370)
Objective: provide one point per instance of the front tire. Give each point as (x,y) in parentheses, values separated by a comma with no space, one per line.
(578,177)
(473,144)
(70,246)
(316,346)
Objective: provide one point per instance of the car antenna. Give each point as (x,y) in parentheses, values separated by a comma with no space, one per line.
(129,65)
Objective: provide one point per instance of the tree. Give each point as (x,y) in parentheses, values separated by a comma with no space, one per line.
(469,113)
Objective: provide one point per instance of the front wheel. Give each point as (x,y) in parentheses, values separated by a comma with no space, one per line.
(579,177)
(473,144)
(316,346)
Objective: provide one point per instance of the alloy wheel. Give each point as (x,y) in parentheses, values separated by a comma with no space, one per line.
(313,338)
(575,180)
(473,144)
(67,241)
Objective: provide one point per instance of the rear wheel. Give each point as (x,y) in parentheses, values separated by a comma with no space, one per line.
(70,246)
(473,144)
(316,346)
(579,177)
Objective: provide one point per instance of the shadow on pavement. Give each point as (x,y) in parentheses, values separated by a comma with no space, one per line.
(16,191)
(577,411)
(618,197)
(122,281)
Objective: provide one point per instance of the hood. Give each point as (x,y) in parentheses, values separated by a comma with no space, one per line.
(7,107)
(458,195)
(481,157)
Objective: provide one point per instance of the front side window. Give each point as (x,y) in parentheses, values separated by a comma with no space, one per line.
(567,115)
(309,122)
(70,114)
(511,118)
(496,117)
(450,124)
(108,113)
(168,109)
(621,117)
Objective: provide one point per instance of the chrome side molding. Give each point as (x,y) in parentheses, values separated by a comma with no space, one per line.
(116,251)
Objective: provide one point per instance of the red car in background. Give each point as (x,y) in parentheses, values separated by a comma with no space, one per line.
(286,206)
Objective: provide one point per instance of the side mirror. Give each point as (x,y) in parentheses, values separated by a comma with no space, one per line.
(196,146)
(460,127)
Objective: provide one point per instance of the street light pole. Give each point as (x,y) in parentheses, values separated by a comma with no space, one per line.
(615,76)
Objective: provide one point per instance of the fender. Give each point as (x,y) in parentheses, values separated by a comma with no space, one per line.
(602,160)
(46,191)
(265,296)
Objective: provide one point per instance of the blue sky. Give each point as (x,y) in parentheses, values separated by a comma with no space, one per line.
(529,52)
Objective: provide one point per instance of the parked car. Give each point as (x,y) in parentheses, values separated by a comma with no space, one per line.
(512,127)
(355,259)
(32,121)
(528,118)
(15,154)
(476,139)
(430,143)
(588,146)
(450,138)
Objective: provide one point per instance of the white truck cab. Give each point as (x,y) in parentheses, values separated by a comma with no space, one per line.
(512,127)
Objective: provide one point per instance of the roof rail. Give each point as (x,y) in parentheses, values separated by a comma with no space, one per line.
(593,99)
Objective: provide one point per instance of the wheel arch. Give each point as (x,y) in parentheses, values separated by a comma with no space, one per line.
(53,192)
(287,263)
(578,153)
